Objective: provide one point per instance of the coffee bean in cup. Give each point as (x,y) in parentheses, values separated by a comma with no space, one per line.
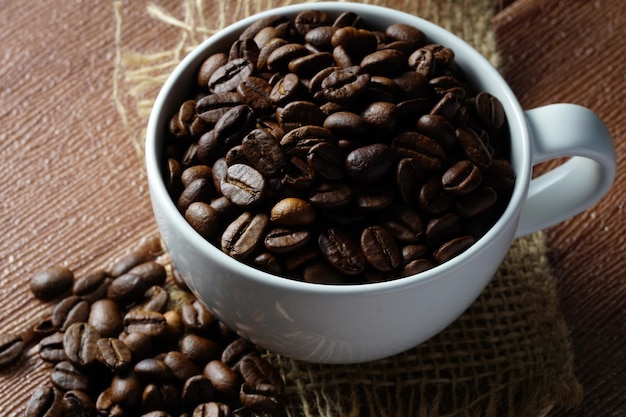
(318,142)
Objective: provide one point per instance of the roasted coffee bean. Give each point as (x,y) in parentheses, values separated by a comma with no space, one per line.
(147,250)
(448,106)
(195,172)
(244,234)
(243,185)
(309,65)
(230,75)
(255,92)
(299,113)
(461,178)
(197,318)
(263,151)
(156,298)
(93,286)
(370,162)
(45,401)
(140,344)
(126,389)
(52,282)
(262,385)
(356,42)
(286,90)
(11,347)
(407,33)
(385,62)
(209,66)
(416,266)
(342,251)
(327,161)
(423,61)
(150,323)
(152,369)
(78,404)
(80,344)
(452,248)
(476,202)
(345,85)
(160,396)
(382,116)
(347,124)
(499,174)
(43,328)
(298,174)
(51,348)
(181,367)
(68,311)
(212,409)
(380,249)
(113,353)
(223,379)
(409,179)
(198,349)
(200,189)
(107,405)
(237,350)
(204,218)
(404,223)
(331,195)
(442,228)
(489,110)
(433,198)
(292,211)
(375,199)
(244,48)
(197,390)
(280,58)
(300,141)
(126,289)
(66,376)
(425,150)
(438,128)
(474,148)
(281,240)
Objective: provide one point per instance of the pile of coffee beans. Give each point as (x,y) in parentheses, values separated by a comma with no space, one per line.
(131,340)
(319,149)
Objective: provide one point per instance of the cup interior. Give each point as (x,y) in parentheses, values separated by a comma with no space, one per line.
(475,67)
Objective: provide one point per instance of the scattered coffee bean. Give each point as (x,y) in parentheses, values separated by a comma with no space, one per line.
(51,282)
(11,347)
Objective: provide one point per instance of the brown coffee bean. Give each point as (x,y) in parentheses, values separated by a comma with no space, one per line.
(409,179)
(345,85)
(425,150)
(160,397)
(442,228)
(45,401)
(52,282)
(209,66)
(262,385)
(474,148)
(181,367)
(299,113)
(489,110)
(212,409)
(476,202)
(223,379)
(197,390)
(342,251)
(150,323)
(403,32)
(461,178)
(114,354)
(204,218)
(255,92)
(453,248)
(43,328)
(140,344)
(331,195)
(243,185)
(433,198)
(68,311)
(244,234)
(230,75)
(280,58)
(404,223)
(197,318)
(198,349)
(152,369)
(126,390)
(327,161)
(80,344)
(282,240)
(78,404)
(499,174)
(155,298)
(380,248)
(356,42)
(300,141)
(263,151)
(126,289)
(237,350)
(66,376)
(93,286)
(385,62)
(416,266)
(105,317)
(11,348)
(292,211)
(370,162)
(438,128)
(51,348)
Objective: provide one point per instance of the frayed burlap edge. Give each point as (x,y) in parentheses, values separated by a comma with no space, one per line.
(509,354)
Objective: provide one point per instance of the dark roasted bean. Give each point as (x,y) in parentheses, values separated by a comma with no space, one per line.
(243,185)
(78,404)
(66,376)
(452,248)
(380,249)
(11,347)
(342,251)
(114,354)
(51,348)
(68,311)
(80,344)
(51,282)
(244,234)
(45,401)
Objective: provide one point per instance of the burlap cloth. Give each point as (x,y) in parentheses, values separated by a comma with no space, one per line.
(509,354)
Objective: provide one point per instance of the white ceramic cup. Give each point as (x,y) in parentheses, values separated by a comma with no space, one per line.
(357,323)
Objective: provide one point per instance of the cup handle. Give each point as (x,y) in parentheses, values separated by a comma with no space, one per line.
(566,130)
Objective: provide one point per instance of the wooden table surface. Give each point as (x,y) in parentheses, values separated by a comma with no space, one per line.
(72,188)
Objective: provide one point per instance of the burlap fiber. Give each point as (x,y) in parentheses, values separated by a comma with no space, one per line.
(507,355)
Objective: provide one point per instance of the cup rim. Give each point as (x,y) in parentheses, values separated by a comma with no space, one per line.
(515,117)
